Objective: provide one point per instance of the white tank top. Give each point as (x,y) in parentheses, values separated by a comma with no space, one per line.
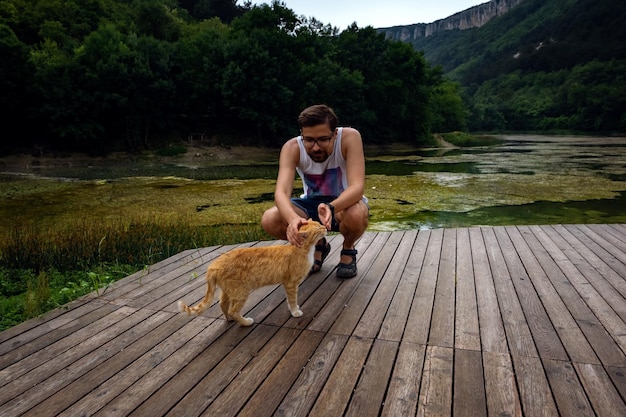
(323,179)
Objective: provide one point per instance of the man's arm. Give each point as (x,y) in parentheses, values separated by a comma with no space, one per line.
(352,149)
(289,157)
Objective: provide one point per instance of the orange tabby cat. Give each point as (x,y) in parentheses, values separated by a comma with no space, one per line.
(240,271)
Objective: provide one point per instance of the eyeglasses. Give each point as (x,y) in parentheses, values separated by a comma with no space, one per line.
(321,142)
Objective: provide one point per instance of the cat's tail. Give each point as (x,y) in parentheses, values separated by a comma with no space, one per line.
(206,301)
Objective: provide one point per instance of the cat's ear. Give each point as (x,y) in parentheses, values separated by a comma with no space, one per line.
(304,235)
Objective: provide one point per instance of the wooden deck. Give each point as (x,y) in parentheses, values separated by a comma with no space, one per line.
(499,321)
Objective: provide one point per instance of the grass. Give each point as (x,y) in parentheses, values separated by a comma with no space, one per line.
(41,269)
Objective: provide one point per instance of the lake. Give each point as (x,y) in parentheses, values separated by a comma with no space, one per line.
(528,179)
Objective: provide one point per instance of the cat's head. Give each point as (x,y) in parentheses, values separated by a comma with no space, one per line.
(312,231)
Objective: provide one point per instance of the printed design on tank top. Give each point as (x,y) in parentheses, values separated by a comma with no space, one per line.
(329,183)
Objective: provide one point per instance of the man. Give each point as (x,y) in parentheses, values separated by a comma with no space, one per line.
(331,164)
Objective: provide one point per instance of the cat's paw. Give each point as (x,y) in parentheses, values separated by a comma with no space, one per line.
(297,313)
(247,321)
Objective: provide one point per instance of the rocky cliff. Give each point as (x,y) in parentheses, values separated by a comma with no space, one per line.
(473,17)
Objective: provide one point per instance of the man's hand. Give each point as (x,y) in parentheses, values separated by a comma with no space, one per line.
(325,214)
(293,235)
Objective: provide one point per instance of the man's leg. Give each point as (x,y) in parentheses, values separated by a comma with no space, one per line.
(274,224)
(352,224)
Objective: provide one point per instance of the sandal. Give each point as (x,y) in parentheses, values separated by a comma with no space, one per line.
(324,248)
(347,270)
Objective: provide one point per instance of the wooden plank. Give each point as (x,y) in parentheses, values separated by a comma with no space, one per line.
(37,335)
(435,397)
(418,323)
(590,245)
(160,341)
(300,399)
(469,398)
(271,393)
(164,293)
(360,298)
(29,330)
(337,391)
(56,371)
(545,314)
(602,394)
(569,303)
(403,393)
(442,323)
(159,269)
(369,393)
(562,277)
(466,331)
(535,394)
(568,391)
(610,244)
(518,333)
(467,289)
(614,231)
(167,383)
(492,333)
(54,348)
(148,288)
(588,282)
(618,376)
(500,386)
(368,250)
(599,264)
(376,310)
(237,393)
(154,368)
(227,371)
(395,320)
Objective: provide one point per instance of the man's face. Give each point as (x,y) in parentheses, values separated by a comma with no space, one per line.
(318,141)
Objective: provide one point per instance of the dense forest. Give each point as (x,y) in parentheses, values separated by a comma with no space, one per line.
(543,65)
(104,75)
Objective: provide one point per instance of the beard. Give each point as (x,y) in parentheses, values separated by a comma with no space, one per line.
(319,155)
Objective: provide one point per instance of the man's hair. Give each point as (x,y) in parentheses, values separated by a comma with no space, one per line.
(318,114)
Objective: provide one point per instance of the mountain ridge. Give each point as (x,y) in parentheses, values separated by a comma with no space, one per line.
(475,16)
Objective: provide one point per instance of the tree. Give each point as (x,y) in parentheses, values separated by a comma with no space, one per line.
(395,81)
(197,71)
(15,75)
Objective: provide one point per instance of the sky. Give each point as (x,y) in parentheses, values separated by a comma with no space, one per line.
(379,14)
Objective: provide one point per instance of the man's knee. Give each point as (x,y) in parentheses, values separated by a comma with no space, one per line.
(355,217)
(269,221)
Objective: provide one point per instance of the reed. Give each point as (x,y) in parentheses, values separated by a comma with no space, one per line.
(87,244)
(41,269)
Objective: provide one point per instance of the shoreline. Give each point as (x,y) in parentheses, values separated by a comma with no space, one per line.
(196,153)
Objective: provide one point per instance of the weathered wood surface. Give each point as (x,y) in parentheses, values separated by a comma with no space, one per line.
(466,322)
